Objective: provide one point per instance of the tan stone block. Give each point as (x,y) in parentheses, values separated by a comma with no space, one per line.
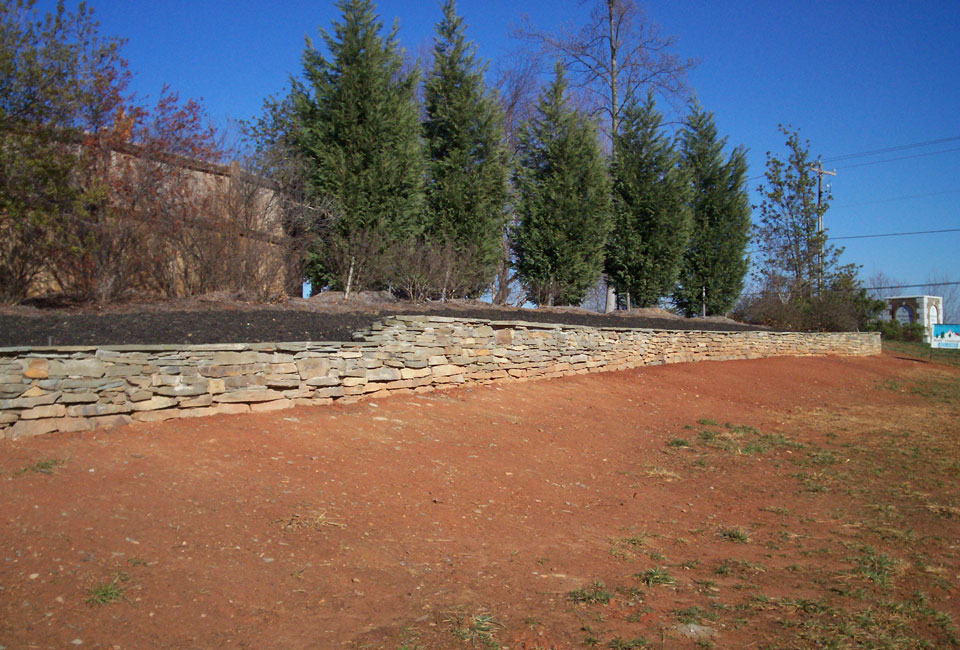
(362,389)
(157,416)
(316,401)
(249,396)
(36,368)
(445,370)
(26,428)
(352,382)
(193,402)
(70,425)
(414,373)
(39,412)
(110,421)
(231,409)
(383,374)
(33,391)
(154,403)
(275,405)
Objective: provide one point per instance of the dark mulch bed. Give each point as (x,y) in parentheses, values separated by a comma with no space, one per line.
(258,324)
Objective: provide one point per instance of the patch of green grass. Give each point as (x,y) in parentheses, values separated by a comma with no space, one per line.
(876,567)
(811,482)
(822,457)
(593,594)
(105,593)
(678,442)
(410,639)
(937,390)
(45,466)
(636,541)
(923,351)
(479,629)
(738,535)
(626,644)
(889,384)
(907,624)
(707,422)
(694,615)
(707,435)
(656,576)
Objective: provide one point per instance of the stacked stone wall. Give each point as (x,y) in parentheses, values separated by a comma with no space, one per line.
(50,389)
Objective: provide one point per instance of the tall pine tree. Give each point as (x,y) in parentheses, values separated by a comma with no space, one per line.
(715,261)
(358,126)
(564,201)
(650,213)
(467,180)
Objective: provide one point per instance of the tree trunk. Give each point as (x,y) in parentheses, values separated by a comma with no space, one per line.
(346,291)
(611,299)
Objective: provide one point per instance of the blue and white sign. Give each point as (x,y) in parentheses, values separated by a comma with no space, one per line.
(946,336)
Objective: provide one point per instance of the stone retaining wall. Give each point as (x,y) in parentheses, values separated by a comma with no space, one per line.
(48,389)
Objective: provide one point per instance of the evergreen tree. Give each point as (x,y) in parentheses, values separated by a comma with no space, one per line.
(651,219)
(715,261)
(797,257)
(564,201)
(802,283)
(467,181)
(357,124)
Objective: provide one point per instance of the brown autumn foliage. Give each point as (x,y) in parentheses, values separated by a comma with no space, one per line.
(102,198)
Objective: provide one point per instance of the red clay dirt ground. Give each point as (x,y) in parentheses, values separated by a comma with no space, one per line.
(777,503)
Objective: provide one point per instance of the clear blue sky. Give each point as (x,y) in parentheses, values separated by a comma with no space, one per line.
(854,76)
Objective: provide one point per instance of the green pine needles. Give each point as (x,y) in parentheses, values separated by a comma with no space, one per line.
(421,200)
(563,201)
(358,125)
(715,262)
(467,158)
(651,216)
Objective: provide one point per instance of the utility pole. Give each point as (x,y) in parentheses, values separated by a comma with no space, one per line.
(820,171)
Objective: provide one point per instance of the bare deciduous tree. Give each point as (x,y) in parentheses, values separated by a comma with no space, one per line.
(617,56)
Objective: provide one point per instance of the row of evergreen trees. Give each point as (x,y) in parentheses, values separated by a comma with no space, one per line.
(429,200)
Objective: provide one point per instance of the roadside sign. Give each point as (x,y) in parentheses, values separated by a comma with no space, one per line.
(946,336)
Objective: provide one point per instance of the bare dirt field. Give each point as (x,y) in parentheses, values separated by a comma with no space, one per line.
(777,503)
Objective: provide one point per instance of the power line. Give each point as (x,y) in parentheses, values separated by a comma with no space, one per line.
(886,160)
(892,199)
(898,234)
(911,286)
(884,234)
(914,145)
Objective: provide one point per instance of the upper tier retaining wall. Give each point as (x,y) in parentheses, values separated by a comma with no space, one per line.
(48,389)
